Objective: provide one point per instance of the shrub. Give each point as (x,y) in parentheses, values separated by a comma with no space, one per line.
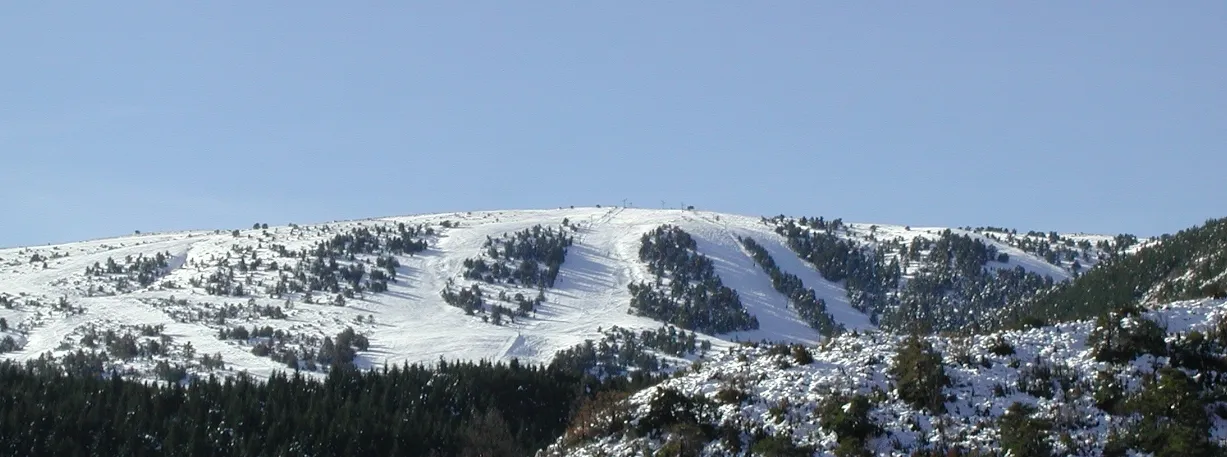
(1023,435)
(598,416)
(1173,420)
(779,446)
(848,418)
(1219,291)
(1122,335)
(851,448)
(731,395)
(1001,347)
(920,375)
(685,440)
(801,355)
(668,407)
(170,373)
(8,344)
(778,349)
(1108,392)
(1194,351)
(1042,379)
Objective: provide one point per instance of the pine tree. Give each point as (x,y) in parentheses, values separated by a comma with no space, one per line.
(920,375)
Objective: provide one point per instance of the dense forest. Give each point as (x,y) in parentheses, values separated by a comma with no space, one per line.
(451,409)
(1075,255)
(530,258)
(120,388)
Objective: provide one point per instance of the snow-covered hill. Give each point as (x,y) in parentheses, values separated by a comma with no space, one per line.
(1074,401)
(178,295)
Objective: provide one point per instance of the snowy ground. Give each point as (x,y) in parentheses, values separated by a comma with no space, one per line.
(781,397)
(410,322)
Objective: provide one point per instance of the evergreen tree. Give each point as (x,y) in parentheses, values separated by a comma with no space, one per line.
(920,375)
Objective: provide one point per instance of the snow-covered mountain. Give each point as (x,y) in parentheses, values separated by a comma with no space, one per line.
(784,336)
(179,297)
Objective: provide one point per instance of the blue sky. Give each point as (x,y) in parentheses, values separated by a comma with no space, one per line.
(1036,115)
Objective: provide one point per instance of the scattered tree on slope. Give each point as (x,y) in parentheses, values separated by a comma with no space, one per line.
(623,352)
(1190,264)
(953,289)
(341,264)
(687,292)
(811,309)
(141,269)
(531,257)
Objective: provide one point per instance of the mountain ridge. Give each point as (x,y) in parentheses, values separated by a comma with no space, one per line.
(781,336)
(598,268)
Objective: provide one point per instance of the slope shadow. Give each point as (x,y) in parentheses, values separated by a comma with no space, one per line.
(405,285)
(586,271)
(738,271)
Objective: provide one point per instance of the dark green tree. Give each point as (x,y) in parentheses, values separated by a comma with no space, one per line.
(920,375)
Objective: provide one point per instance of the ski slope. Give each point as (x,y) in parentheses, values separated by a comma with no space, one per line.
(410,322)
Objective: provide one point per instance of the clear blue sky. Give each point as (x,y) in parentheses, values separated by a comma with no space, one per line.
(122,116)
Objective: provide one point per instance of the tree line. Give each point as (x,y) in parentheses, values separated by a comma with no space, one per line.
(451,409)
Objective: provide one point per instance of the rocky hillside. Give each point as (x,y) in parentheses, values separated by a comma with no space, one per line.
(1146,380)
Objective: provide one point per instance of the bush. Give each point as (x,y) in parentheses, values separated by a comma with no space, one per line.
(1195,352)
(778,350)
(851,448)
(1001,347)
(801,355)
(1122,335)
(848,418)
(1173,420)
(779,446)
(1023,435)
(1043,379)
(1108,392)
(668,407)
(598,416)
(920,375)
(8,344)
(731,395)
(685,440)
(170,373)
(1217,290)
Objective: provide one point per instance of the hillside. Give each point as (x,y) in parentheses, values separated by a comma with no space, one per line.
(941,279)
(1144,381)
(658,332)
(1190,264)
(495,285)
